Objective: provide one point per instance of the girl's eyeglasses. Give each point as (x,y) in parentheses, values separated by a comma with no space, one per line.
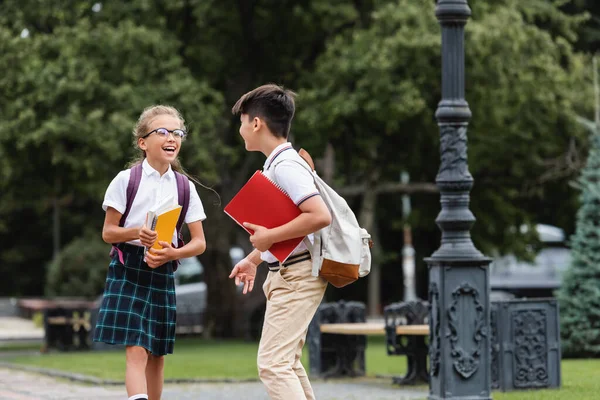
(164,132)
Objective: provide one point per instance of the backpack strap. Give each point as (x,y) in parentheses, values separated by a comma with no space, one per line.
(135,176)
(313,248)
(183,199)
(303,164)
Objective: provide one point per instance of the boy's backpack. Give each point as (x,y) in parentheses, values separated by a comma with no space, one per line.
(183,199)
(341,252)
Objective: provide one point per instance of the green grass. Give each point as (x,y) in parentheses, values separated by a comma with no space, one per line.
(196,358)
(580,381)
(20,346)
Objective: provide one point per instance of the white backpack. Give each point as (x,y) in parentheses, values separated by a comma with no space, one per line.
(341,252)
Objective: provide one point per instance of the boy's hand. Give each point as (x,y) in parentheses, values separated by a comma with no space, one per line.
(147,237)
(261,239)
(156,258)
(244,271)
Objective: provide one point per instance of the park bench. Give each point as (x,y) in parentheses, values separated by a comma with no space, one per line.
(337,339)
(67,322)
(67,329)
(407,333)
(334,355)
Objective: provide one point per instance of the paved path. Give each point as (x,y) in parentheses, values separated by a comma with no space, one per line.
(20,385)
(14,328)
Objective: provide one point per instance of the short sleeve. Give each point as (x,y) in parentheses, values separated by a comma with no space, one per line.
(195,210)
(116,193)
(297,182)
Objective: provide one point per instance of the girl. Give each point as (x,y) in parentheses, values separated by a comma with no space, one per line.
(138,308)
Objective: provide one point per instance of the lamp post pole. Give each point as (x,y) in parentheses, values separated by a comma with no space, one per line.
(459,347)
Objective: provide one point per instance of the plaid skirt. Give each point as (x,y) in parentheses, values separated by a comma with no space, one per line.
(138,308)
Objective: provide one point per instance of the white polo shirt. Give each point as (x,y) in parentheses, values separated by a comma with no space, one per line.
(294,179)
(152,189)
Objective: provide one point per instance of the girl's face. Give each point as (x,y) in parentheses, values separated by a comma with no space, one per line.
(158,148)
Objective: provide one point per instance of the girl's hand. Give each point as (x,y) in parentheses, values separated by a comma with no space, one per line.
(156,258)
(147,237)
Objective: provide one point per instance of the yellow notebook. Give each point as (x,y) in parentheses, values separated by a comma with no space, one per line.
(163,219)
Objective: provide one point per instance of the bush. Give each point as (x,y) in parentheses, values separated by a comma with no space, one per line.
(79,269)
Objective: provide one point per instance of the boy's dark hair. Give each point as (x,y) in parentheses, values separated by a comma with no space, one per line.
(271,103)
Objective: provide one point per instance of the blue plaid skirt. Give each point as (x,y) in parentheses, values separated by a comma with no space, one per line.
(138,308)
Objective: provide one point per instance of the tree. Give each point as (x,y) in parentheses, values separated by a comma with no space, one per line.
(579,294)
(79,269)
(368,77)
(374,90)
(233,45)
(66,116)
(588,33)
(237,46)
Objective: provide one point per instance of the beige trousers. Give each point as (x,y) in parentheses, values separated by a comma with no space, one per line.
(293,296)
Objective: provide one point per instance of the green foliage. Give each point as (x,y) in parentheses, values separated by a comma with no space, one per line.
(66,116)
(579,294)
(368,77)
(79,269)
(374,91)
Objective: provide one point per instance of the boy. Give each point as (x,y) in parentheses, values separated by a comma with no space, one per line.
(293,294)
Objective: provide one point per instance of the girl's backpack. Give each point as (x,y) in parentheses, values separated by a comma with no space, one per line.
(183,199)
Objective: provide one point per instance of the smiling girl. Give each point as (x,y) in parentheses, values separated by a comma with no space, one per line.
(138,307)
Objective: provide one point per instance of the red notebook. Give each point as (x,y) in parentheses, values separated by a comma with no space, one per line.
(260,201)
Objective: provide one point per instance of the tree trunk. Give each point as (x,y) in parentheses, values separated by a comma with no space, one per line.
(326,165)
(367,221)
(221,293)
(223,301)
(56,219)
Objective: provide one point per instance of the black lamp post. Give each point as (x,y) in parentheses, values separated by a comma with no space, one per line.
(459,347)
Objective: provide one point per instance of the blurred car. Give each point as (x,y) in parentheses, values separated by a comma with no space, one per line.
(191,292)
(510,277)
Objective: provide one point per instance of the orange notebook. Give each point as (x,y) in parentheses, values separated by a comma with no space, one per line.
(163,219)
(260,201)
(165,226)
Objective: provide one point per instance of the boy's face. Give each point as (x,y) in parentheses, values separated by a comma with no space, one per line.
(248,132)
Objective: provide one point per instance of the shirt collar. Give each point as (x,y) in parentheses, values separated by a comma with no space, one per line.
(276,152)
(149,171)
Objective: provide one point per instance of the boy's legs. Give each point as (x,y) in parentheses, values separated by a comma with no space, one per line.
(155,376)
(301,372)
(293,296)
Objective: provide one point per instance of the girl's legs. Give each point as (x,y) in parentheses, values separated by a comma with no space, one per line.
(155,376)
(135,377)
